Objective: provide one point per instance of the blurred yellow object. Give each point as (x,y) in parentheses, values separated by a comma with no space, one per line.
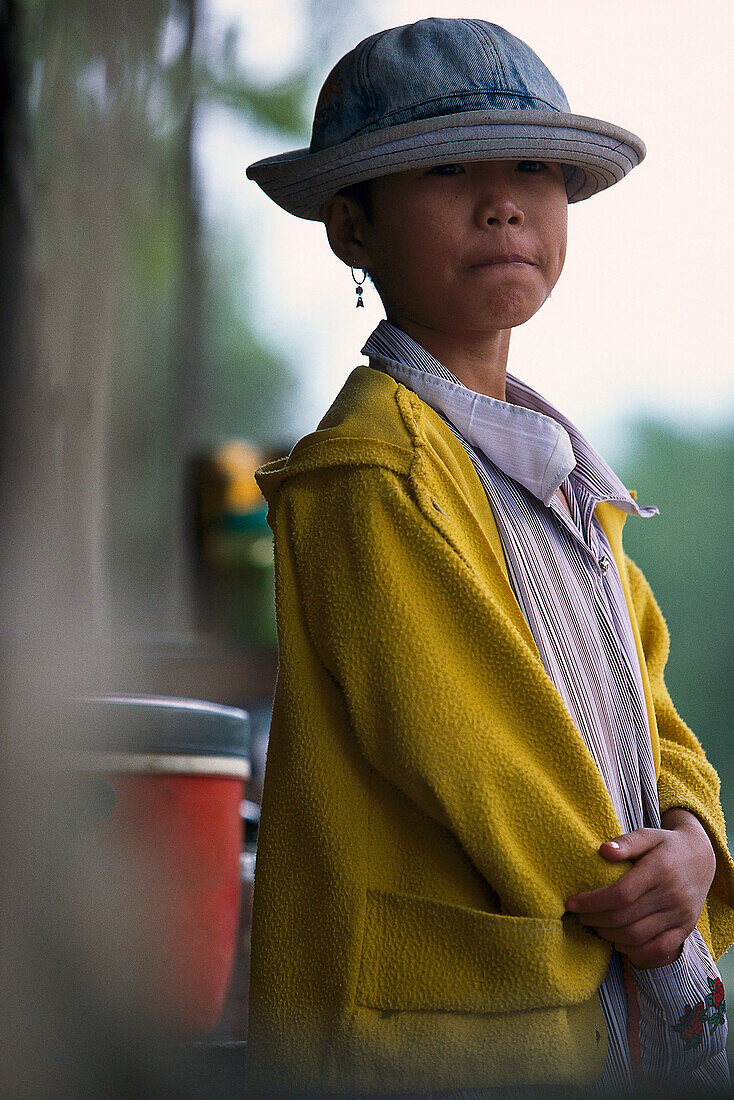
(238,461)
(225,483)
(235,594)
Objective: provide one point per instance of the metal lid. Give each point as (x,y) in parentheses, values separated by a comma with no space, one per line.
(157,724)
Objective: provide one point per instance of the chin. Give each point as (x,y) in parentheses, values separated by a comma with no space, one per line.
(511,314)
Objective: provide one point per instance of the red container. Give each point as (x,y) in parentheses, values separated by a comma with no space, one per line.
(175,818)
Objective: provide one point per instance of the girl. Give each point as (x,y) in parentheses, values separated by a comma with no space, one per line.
(490,852)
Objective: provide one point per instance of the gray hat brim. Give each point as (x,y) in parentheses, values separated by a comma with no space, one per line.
(602,154)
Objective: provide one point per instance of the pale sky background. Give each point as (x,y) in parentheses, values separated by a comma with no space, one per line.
(642,318)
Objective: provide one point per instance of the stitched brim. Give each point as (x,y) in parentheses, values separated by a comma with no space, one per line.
(601,153)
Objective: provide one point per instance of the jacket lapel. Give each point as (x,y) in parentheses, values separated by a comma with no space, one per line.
(612,521)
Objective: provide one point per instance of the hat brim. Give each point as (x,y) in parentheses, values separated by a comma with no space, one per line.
(602,154)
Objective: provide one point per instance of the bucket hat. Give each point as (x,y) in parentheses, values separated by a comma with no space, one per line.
(436,91)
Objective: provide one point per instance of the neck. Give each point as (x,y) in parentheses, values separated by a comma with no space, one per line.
(478,359)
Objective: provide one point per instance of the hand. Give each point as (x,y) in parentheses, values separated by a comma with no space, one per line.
(648,913)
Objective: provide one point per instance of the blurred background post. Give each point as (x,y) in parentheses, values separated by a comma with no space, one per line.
(164,329)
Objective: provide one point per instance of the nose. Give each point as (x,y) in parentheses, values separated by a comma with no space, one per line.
(498,204)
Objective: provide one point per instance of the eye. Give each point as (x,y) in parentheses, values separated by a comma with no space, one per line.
(531,166)
(445,170)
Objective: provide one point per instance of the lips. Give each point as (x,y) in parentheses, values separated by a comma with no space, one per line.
(504,258)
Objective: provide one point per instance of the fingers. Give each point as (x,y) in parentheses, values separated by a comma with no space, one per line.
(631,845)
(622,894)
(651,902)
(634,883)
(638,933)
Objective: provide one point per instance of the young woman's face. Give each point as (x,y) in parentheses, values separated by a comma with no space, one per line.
(467,247)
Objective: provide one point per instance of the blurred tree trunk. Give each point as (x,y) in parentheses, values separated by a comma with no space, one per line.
(188,388)
(81,226)
(28,590)
(13,233)
(102,163)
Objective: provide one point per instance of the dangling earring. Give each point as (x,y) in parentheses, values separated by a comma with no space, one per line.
(359,283)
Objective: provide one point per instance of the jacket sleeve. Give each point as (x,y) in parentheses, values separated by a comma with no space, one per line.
(686,779)
(441,693)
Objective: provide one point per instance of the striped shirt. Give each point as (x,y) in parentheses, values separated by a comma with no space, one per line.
(564,577)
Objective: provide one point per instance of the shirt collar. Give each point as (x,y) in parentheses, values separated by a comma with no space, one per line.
(526,437)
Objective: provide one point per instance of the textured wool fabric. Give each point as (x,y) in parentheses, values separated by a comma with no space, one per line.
(428,803)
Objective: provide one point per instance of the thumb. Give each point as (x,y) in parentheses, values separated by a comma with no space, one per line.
(631,845)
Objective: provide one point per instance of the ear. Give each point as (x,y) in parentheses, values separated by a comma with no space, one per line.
(347,230)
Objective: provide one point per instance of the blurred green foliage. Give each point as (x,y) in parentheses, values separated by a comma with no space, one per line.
(685,554)
(250,393)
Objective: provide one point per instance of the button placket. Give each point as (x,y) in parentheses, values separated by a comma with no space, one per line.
(597,546)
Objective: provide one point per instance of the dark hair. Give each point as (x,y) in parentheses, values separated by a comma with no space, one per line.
(361,193)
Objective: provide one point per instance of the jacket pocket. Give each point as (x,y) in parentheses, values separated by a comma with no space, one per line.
(423,954)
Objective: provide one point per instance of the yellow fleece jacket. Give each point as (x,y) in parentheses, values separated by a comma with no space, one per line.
(428,803)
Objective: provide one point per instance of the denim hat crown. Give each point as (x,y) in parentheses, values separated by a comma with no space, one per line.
(442,90)
(428,69)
